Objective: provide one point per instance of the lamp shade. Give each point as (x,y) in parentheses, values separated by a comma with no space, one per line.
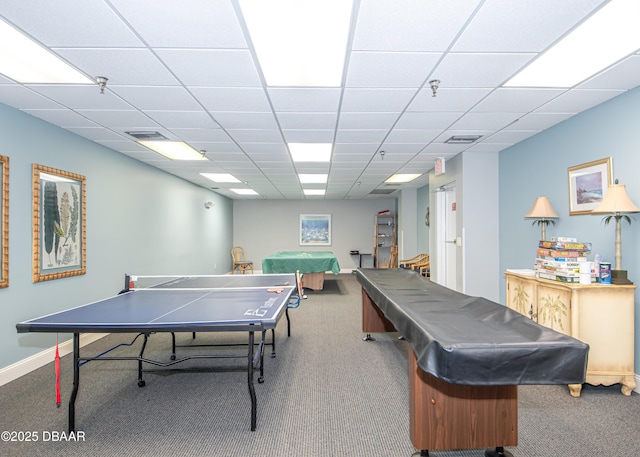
(616,200)
(541,209)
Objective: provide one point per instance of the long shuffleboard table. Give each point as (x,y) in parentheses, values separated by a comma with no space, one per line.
(223,303)
(312,265)
(467,355)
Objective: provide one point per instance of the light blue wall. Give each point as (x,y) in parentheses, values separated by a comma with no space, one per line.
(139,220)
(475,178)
(538,167)
(479,194)
(423,229)
(407,224)
(263,227)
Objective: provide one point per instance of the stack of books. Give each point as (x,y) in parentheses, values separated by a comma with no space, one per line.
(560,259)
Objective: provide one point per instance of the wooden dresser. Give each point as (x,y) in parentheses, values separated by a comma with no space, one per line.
(601,315)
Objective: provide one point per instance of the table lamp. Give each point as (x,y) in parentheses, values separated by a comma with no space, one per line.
(617,204)
(544,214)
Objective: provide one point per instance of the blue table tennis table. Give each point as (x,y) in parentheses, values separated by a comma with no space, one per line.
(214,303)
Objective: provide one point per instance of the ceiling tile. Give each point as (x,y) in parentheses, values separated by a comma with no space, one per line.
(196,24)
(390,69)
(216,67)
(188,70)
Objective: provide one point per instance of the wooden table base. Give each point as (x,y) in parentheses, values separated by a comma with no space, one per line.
(454,416)
(451,416)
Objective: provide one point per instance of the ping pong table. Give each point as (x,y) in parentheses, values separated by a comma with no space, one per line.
(218,303)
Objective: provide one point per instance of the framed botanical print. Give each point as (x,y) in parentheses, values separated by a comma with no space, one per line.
(58,224)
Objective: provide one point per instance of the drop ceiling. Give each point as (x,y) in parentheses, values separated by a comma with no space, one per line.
(187,69)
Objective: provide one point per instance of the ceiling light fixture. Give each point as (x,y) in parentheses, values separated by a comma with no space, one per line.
(174,150)
(312,178)
(434,83)
(220,177)
(244,191)
(293,42)
(313,191)
(102,83)
(603,39)
(310,152)
(26,61)
(403,177)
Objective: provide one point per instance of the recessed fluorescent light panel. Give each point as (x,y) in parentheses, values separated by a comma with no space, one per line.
(402,178)
(174,150)
(244,191)
(299,42)
(312,178)
(310,152)
(220,177)
(313,191)
(26,61)
(606,37)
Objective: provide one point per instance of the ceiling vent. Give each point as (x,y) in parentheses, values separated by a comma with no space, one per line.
(153,136)
(463,139)
(382,191)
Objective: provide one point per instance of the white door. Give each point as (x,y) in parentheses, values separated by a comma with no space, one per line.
(446,271)
(451,244)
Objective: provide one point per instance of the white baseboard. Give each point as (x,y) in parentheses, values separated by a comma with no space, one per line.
(22,367)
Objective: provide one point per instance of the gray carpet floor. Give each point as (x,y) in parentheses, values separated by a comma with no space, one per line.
(327,393)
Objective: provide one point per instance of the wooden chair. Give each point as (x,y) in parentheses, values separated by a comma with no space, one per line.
(413,260)
(424,268)
(240,262)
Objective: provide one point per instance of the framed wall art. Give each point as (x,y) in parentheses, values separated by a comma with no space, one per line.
(588,184)
(4,221)
(58,225)
(315,230)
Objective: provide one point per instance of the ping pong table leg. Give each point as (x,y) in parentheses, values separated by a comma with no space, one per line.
(76,382)
(262,344)
(173,346)
(273,343)
(141,382)
(286,314)
(252,391)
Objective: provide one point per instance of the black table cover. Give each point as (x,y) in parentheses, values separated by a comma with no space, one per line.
(471,340)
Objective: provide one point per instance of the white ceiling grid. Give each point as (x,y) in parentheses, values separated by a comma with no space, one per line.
(188,70)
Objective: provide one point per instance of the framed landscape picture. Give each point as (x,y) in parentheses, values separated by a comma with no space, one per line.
(58,224)
(588,184)
(315,230)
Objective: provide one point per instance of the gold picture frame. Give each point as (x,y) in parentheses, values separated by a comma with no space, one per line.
(588,184)
(58,224)
(4,221)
